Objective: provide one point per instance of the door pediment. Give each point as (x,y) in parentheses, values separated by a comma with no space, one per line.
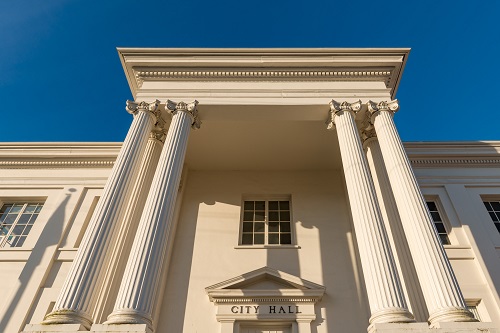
(265,284)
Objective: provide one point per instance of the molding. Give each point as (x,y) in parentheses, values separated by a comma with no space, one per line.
(455,162)
(56,155)
(142,75)
(292,288)
(55,164)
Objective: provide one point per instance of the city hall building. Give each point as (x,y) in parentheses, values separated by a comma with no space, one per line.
(257,190)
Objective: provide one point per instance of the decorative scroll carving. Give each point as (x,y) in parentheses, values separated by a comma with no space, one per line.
(189,108)
(134,107)
(158,134)
(374,108)
(336,107)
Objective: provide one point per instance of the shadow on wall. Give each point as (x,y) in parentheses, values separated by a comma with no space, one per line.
(51,235)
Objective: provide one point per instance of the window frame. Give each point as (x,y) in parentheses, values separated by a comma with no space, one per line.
(4,238)
(266,199)
(442,216)
(489,200)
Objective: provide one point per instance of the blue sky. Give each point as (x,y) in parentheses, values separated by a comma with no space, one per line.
(61,78)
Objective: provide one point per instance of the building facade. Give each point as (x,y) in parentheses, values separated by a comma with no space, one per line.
(257,190)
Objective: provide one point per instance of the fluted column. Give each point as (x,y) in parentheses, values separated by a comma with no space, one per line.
(385,295)
(140,284)
(113,273)
(75,299)
(395,232)
(439,285)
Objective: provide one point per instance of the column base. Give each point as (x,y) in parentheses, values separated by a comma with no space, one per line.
(129,317)
(451,315)
(438,328)
(39,328)
(122,328)
(63,317)
(392,315)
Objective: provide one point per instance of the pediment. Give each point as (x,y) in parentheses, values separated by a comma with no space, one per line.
(265,283)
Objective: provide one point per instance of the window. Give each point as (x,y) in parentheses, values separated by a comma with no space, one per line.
(16,221)
(266,222)
(438,223)
(493,208)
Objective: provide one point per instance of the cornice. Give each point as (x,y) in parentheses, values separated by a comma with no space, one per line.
(454,154)
(103,154)
(53,155)
(301,64)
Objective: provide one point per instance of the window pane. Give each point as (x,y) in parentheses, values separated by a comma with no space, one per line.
(284,216)
(495,205)
(9,219)
(24,219)
(248,216)
(286,238)
(444,239)
(4,229)
(274,226)
(259,227)
(431,205)
(260,205)
(20,241)
(247,239)
(274,216)
(285,226)
(493,216)
(38,208)
(487,205)
(248,205)
(284,205)
(6,208)
(440,228)
(274,239)
(16,208)
(435,216)
(260,216)
(259,239)
(247,226)
(30,208)
(27,229)
(273,205)
(498,226)
(18,230)
(33,218)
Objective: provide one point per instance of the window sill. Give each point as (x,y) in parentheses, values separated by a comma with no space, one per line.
(278,247)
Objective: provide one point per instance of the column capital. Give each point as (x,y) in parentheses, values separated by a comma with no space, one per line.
(375,108)
(189,108)
(368,133)
(158,134)
(133,107)
(336,107)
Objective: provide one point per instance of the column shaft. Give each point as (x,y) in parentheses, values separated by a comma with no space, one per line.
(128,226)
(141,280)
(395,232)
(385,295)
(439,285)
(76,297)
